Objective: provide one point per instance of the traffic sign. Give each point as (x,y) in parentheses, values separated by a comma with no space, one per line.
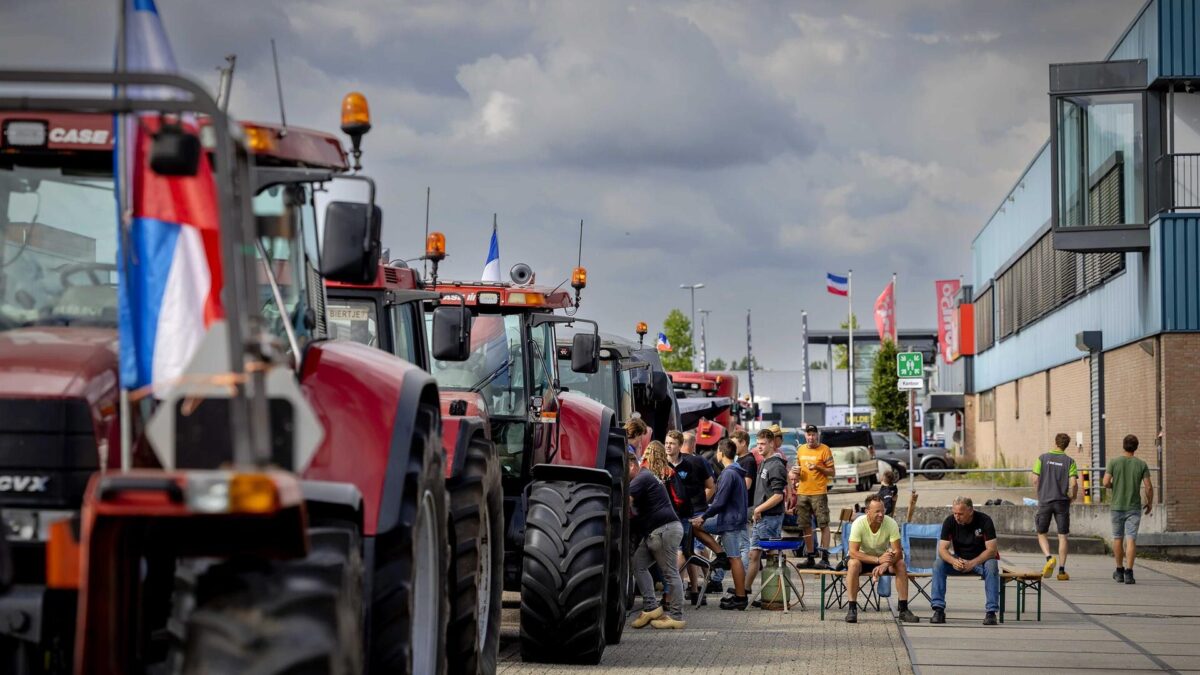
(910,383)
(910,364)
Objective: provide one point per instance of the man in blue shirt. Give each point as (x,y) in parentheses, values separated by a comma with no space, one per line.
(726,518)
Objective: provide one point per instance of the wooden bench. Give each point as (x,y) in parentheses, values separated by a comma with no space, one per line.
(833,588)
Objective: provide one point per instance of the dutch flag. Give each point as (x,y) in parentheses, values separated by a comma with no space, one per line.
(837,285)
(169,276)
(491,268)
(664,345)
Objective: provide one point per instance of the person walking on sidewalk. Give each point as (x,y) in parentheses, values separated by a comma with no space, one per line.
(1126,476)
(1056,479)
(967,546)
(875,550)
(768,510)
(726,518)
(655,520)
(814,467)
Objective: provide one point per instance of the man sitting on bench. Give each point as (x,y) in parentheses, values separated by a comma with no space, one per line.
(972,535)
(875,550)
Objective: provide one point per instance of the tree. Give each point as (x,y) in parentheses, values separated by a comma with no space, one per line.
(890,404)
(679,333)
(841,353)
(717,364)
(742,365)
(817,365)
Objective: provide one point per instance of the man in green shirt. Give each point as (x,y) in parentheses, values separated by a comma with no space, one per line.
(1056,479)
(1125,476)
(875,549)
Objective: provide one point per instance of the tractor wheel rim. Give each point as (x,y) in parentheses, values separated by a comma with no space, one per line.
(425,592)
(484,573)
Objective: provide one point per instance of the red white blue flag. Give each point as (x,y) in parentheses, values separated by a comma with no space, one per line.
(836,284)
(664,345)
(169,276)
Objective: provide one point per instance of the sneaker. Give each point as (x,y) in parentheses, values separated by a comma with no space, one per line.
(734,602)
(823,564)
(1063,576)
(691,597)
(1129,577)
(852,614)
(1119,575)
(1048,568)
(757,604)
(809,563)
(668,622)
(939,615)
(646,617)
(714,587)
(989,619)
(721,562)
(908,617)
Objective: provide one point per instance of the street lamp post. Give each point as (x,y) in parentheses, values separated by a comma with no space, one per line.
(704,339)
(692,288)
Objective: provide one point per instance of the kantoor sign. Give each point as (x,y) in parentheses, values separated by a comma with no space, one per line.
(947,299)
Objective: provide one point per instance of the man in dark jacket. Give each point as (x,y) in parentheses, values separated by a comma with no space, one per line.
(768,501)
(726,518)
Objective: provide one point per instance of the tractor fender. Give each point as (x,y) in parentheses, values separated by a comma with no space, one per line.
(367,401)
(327,500)
(457,433)
(570,474)
(583,428)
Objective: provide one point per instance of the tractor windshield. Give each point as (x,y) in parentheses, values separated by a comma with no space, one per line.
(58,247)
(351,319)
(495,367)
(601,386)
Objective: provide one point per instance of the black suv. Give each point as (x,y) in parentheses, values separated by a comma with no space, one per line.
(892,447)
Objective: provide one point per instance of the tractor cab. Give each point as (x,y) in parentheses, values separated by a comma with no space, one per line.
(706,401)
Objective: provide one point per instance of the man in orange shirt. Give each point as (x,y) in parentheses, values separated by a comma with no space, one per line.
(814,468)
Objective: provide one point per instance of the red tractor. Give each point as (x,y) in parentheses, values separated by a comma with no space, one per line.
(291,512)
(706,402)
(388,313)
(561,455)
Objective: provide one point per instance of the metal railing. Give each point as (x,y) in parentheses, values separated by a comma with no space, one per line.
(1179,181)
(1095,476)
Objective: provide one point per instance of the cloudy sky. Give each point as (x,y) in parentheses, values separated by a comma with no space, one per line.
(750,146)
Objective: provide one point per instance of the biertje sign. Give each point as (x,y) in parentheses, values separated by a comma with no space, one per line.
(910,364)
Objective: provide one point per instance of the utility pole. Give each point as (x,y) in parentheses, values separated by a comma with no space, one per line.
(692,332)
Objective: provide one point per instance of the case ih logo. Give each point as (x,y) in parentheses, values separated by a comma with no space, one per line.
(81,136)
(23,483)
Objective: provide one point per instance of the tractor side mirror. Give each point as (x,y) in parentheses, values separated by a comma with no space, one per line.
(451,333)
(174,152)
(585,353)
(350,251)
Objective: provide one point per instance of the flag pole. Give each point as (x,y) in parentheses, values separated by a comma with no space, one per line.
(124,402)
(850,351)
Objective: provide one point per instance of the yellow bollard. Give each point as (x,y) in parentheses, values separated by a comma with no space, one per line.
(1085,478)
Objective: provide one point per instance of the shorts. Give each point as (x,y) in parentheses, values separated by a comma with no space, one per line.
(687,545)
(770,527)
(1061,510)
(733,541)
(867,568)
(1126,523)
(808,506)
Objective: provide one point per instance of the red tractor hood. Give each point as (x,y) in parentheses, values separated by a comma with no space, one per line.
(58,362)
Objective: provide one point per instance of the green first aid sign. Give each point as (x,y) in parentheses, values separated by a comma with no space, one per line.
(910,364)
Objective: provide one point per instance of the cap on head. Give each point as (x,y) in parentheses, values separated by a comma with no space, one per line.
(810,429)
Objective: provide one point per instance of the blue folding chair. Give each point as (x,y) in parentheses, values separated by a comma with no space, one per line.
(920,542)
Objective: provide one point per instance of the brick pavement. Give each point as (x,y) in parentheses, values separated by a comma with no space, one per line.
(752,642)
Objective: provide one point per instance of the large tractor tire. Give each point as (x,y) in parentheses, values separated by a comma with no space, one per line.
(564,575)
(409,605)
(476,580)
(620,578)
(304,616)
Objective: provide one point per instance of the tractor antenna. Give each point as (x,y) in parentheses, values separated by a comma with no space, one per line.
(279,91)
(428,196)
(579,261)
(226,85)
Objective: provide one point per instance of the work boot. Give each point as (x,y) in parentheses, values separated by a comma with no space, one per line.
(646,617)
(714,587)
(823,564)
(1119,575)
(939,615)
(907,616)
(721,562)
(809,563)
(989,619)
(668,622)
(1129,576)
(737,602)
(852,613)
(1048,568)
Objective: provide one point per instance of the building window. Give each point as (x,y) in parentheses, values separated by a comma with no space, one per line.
(985,332)
(1017,399)
(1047,392)
(1101,173)
(987,406)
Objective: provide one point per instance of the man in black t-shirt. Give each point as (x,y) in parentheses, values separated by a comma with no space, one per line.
(699,485)
(967,546)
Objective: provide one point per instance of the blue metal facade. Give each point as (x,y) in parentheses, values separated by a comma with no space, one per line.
(1180,255)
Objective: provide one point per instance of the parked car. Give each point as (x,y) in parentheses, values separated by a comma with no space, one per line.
(853,457)
(893,446)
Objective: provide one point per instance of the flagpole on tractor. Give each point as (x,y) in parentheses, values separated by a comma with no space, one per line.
(850,351)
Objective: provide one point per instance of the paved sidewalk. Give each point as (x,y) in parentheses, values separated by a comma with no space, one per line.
(1088,623)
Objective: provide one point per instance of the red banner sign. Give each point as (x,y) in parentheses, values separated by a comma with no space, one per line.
(947,301)
(885,313)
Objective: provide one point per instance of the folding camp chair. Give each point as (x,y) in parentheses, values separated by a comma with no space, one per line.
(920,543)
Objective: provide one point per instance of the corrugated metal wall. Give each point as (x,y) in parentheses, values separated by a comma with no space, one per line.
(1180,252)
(1141,42)
(1179,39)
(1011,228)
